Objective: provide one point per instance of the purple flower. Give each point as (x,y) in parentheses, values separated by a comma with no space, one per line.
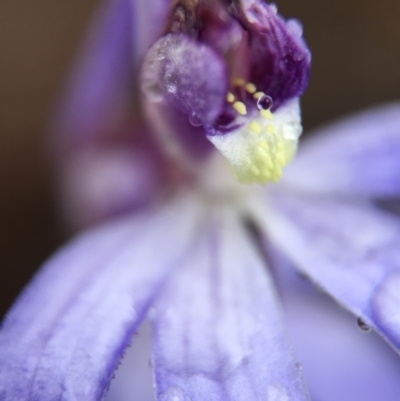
(165,97)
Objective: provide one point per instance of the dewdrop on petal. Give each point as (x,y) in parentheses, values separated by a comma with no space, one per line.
(264,102)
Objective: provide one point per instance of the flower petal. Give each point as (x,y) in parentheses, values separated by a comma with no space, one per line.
(180,97)
(340,361)
(279,57)
(100,88)
(350,249)
(359,156)
(99,83)
(99,183)
(150,22)
(67,332)
(189,75)
(217,328)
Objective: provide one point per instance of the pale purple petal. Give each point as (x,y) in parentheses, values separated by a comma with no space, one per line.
(179,95)
(100,90)
(151,17)
(351,250)
(66,334)
(340,361)
(218,330)
(191,76)
(188,75)
(359,155)
(100,82)
(99,183)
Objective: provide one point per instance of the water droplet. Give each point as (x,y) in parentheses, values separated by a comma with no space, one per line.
(173,394)
(264,102)
(362,325)
(194,120)
(295,27)
(302,275)
(171,88)
(277,392)
(274,8)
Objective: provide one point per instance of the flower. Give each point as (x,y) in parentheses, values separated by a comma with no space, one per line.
(191,255)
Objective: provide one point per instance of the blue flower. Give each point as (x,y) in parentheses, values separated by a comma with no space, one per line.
(178,240)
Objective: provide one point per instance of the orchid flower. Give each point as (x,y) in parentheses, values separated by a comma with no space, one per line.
(180,120)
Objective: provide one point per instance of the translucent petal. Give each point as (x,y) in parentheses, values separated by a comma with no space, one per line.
(351,250)
(67,332)
(98,84)
(218,330)
(100,87)
(188,74)
(359,155)
(340,361)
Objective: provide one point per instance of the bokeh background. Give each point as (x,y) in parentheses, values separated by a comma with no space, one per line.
(356,63)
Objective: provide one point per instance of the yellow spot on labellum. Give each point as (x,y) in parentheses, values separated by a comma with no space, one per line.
(255,170)
(271,129)
(255,127)
(276,173)
(280,157)
(262,152)
(240,108)
(268,162)
(251,88)
(266,175)
(230,98)
(267,114)
(258,95)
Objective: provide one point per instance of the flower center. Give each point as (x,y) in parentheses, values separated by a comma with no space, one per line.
(265,141)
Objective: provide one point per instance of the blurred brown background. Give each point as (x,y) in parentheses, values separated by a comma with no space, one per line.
(356,63)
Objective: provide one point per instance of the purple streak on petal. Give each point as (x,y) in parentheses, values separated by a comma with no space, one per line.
(348,249)
(278,56)
(188,75)
(218,329)
(340,361)
(357,156)
(65,335)
(100,82)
